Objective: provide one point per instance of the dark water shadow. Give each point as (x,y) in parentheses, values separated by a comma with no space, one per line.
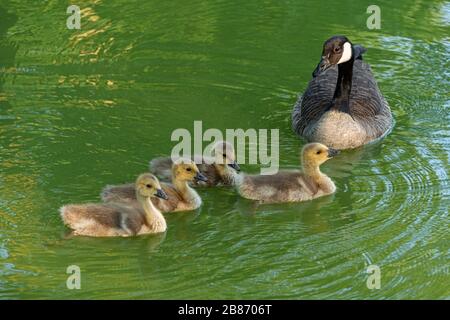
(8,50)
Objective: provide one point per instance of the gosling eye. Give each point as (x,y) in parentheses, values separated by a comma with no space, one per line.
(148,186)
(188,169)
(319,152)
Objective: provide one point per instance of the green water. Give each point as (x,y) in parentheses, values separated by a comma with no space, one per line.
(80,109)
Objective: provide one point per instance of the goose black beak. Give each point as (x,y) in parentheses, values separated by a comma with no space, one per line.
(200,177)
(235,166)
(323,65)
(332,152)
(161,194)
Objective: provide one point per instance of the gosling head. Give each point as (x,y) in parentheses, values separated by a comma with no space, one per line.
(317,153)
(224,154)
(336,50)
(186,170)
(147,185)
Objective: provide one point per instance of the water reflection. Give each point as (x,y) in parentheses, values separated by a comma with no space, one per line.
(80,109)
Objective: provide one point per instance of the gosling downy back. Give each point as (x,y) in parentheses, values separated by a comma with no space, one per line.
(292,186)
(342,106)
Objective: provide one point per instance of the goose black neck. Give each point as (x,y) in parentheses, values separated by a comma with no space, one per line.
(341,98)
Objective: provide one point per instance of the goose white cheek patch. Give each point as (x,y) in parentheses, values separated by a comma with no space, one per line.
(347,54)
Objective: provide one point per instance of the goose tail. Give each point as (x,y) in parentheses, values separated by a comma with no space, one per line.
(69,215)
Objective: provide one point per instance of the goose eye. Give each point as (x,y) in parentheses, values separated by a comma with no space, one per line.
(319,152)
(188,169)
(148,186)
(337,49)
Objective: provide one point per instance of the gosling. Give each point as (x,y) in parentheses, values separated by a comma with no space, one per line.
(292,186)
(221,169)
(119,219)
(181,196)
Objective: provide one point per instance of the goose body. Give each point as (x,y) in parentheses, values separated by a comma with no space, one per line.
(119,219)
(292,186)
(342,106)
(181,197)
(219,170)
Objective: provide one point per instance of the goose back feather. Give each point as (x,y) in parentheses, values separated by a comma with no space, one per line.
(369,117)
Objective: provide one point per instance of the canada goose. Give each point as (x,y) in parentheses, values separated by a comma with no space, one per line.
(292,186)
(181,196)
(343,107)
(220,169)
(119,219)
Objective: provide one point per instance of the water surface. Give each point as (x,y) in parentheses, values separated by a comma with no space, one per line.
(80,109)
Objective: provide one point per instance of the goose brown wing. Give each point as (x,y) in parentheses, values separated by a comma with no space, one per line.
(281,181)
(106,215)
(315,101)
(366,100)
(124,192)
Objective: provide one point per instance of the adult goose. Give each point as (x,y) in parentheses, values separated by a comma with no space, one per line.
(342,107)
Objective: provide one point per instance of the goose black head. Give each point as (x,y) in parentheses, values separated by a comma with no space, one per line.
(336,50)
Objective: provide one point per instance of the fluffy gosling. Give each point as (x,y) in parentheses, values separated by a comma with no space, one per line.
(119,219)
(292,186)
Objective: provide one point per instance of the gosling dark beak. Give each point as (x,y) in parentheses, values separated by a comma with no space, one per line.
(323,65)
(200,177)
(332,152)
(235,166)
(161,194)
